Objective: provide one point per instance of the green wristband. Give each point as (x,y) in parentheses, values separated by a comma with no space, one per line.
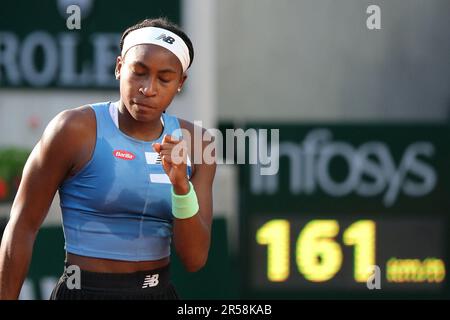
(186,205)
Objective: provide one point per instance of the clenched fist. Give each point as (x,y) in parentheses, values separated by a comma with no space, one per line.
(173,153)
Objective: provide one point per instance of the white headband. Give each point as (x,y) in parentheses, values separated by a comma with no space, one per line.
(160,37)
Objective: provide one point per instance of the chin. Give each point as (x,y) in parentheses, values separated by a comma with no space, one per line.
(145,115)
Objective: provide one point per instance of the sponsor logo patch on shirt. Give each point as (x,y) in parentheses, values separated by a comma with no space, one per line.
(122,154)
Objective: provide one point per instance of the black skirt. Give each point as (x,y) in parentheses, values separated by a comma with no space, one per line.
(143,285)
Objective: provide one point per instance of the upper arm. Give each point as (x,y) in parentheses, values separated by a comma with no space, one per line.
(47,166)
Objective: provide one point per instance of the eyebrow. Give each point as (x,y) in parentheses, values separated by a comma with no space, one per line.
(167,70)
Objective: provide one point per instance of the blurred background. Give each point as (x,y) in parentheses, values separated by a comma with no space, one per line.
(362,114)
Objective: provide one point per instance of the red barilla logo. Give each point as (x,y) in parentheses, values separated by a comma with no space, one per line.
(122,154)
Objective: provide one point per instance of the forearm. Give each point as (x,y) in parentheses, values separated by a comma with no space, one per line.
(192,241)
(15,255)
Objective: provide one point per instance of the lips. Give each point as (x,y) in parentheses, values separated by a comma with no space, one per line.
(143,105)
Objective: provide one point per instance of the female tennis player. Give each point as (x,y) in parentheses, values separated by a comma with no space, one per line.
(124,198)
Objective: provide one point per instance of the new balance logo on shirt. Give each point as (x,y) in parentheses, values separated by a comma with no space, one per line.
(153,158)
(150,281)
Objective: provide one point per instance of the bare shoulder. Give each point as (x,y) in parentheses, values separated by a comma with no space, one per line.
(71,135)
(191,127)
(184,124)
(72,121)
(70,126)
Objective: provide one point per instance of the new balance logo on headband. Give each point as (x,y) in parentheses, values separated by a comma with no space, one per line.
(164,38)
(160,37)
(150,281)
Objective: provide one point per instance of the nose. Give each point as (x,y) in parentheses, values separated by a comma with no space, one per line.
(148,88)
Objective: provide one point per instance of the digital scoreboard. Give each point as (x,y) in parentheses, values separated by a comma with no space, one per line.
(354,211)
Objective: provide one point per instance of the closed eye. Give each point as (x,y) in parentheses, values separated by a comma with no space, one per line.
(138,72)
(138,69)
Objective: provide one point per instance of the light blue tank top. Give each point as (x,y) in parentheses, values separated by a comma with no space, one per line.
(118,206)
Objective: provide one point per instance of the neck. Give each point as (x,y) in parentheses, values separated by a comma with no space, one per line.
(141,130)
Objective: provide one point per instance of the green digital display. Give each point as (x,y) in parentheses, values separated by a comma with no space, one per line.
(354,211)
(320,254)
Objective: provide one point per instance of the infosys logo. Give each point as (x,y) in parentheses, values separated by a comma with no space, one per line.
(372,169)
(122,154)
